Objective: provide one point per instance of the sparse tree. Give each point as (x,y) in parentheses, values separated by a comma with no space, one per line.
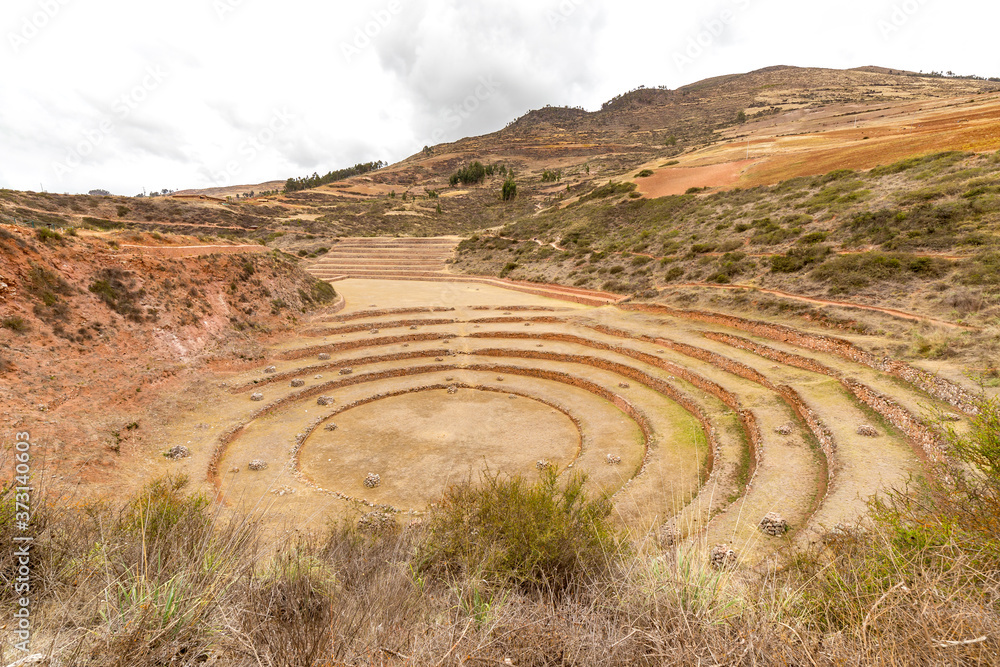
(509,190)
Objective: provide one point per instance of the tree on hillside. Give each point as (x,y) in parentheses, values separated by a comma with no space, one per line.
(314,181)
(509,190)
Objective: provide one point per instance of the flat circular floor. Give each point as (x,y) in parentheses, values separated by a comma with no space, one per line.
(422,442)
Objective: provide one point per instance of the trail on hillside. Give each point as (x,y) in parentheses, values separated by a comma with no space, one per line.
(829,302)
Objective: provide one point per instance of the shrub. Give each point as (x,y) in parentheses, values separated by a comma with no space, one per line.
(506,531)
(798,258)
(509,190)
(645,173)
(473,174)
(101,223)
(122,210)
(673,274)
(860,270)
(114,288)
(45,235)
(610,190)
(551,176)
(14,323)
(983,269)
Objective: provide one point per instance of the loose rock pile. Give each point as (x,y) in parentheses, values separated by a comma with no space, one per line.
(372,480)
(270,369)
(785,429)
(868,431)
(722,557)
(543,464)
(324,356)
(772,524)
(346,371)
(413,328)
(452,389)
(177,452)
(376,522)
(330,427)
(298,383)
(843,532)
(257,397)
(325,400)
(624,385)
(668,535)
(613,460)
(257,465)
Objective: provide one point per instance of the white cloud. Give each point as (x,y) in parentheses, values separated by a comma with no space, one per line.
(413,72)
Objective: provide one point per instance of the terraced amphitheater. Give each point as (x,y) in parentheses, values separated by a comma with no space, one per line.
(699,425)
(426,259)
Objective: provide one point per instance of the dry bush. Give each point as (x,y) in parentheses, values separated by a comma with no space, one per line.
(165,579)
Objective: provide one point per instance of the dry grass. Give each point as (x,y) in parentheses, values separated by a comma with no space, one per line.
(166,579)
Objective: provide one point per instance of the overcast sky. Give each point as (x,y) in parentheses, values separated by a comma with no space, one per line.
(129,95)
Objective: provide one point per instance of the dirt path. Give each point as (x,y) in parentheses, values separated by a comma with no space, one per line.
(196,250)
(829,302)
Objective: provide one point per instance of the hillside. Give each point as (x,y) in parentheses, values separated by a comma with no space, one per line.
(96,330)
(706,376)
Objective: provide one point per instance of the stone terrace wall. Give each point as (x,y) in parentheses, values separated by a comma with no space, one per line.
(932,384)
(355,344)
(929,444)
(747,418)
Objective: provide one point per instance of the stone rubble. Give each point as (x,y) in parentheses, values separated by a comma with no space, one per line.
(177,452)
(346,371)
(270,370)
(325,400)
(613,460)
(324,356)
(376,522)
(772,524)
(372,480)
(784,429)
(257,465)
(722,557)
(257,397)
(867,431)
(298,383)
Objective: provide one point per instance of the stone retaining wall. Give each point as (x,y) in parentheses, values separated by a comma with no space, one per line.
(930,383)
(355,344)
(232,433)
(383,312)
(929,444)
